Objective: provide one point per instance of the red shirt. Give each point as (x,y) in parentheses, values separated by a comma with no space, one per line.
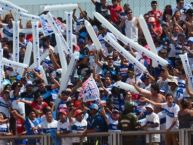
(39,107)
(20,126)
(114,12)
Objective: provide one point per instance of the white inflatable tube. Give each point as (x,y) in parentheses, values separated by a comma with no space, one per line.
(14,64)
(59,7)
(29,31)
(16,41)
(29,16)
(93,35)
(126,87)
(61,52)
(36,49)
(125,53)
(27,56)
(57,31)
(127,41)
(147,34)
(187,69)
(43,56)
(7,5)
(66,78)
(44,75)
(1,69)
(69,30)
(64,70)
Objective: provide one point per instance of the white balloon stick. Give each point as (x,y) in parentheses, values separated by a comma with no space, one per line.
(15,41)
(147,34)
(43,56)
(44,75)
(29,16)
(64,70)
(14,64)
(125,53)
(187,69)
(93,35)
(61,52)
(36,49)
(126,87)
(7,5)
(127,41)
(68,73)
(29,31)
(59,7)
(27,56)
(69,30)
(57,31)
(1,68)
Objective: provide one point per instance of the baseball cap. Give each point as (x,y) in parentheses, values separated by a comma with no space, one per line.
(94,106)
(190,39)
(149,106)
(78,112)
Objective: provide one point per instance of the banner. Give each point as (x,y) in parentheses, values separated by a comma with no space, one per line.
(1,69)
(36,49)
(187,69)
(90,91)
(69,30)
(16,41)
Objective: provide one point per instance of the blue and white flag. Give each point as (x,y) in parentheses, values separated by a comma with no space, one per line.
(90,91)
(47,29)
(187,69)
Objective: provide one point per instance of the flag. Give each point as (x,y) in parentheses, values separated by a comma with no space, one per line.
(47,29)
(90,90)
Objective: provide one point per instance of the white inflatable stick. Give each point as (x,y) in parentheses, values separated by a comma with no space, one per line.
(7,5)
(14,64)
(69,30)
(1,69)
(126,87)
(44,75)
(16,41)
(57,31)
(36,49)
(93,35)
(127,41)
(125,53)
(29,16)
(59,7)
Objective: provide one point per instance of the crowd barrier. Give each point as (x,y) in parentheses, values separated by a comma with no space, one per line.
(185,137)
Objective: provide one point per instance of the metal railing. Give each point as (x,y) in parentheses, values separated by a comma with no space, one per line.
(185,137)
(34,139)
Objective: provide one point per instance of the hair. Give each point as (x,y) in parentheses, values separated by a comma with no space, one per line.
(185,103)
(169,94)
(153,2)
(36,96)
(177,1)
(156,87)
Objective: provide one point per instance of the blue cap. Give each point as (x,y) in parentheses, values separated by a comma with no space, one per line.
(37,69)
(18,77)
(94,106)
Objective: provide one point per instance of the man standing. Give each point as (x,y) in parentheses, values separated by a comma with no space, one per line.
(171,110)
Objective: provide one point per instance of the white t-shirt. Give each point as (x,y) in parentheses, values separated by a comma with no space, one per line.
(152,119)
(79,127)
(47,126)
(171,115)
(63,128)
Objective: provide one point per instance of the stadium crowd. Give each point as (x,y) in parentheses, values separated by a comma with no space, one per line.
(164,101)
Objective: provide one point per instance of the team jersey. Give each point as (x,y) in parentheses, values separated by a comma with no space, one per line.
(8,32)
(79,127)
(64,127)
(113,124)
(171,114)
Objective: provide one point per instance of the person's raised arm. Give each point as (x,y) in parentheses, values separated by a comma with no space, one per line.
(142,91)
(143,99)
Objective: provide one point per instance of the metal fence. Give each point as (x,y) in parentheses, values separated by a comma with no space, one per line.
(138,6)
(185,137)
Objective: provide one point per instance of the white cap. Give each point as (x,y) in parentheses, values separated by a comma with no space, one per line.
(149,106)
